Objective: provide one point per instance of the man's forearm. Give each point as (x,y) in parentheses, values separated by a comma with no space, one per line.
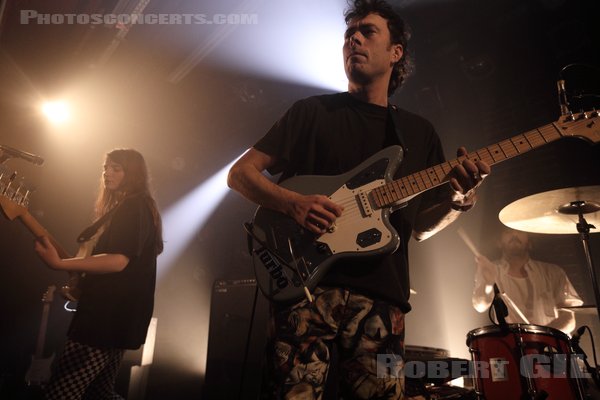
(434,219)
(254,186)
(314,212)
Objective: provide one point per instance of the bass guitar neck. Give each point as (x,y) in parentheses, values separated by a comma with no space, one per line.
(14,199)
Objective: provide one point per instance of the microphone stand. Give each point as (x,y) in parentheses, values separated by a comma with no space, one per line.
(579,351)
(500,308)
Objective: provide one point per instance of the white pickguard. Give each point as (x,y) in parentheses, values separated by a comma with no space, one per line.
(353,221)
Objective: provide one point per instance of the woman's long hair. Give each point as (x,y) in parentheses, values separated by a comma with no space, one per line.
(135,182)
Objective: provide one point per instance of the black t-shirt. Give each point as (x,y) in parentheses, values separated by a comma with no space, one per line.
(115,308)
(331,134)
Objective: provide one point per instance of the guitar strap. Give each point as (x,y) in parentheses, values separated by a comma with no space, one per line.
(91,230)
(393,112)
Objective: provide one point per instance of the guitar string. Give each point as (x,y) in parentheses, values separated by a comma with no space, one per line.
(351,209)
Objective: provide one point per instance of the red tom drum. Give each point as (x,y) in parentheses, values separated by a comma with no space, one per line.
(524,362)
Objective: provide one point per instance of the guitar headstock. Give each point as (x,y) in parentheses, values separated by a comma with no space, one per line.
(585,125)
(48,296)
(14,194)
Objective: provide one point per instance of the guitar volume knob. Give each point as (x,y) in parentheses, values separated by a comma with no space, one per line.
(322,248)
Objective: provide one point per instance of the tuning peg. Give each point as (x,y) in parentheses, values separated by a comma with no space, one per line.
(570,117)
(21,193)
(8,187)
(582,115)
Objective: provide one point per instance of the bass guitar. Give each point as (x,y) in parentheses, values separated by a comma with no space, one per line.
(14,200)
(289,260)
(39,371)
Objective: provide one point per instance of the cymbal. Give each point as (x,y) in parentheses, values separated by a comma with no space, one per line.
(555,211)
(585,309)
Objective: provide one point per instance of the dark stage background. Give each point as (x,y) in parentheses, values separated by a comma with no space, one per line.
(185,97)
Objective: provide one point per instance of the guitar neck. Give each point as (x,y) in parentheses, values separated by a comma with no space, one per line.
(41,339)
(38,231)
(403,189)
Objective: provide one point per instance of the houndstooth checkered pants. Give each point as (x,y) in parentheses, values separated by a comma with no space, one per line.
(85,372)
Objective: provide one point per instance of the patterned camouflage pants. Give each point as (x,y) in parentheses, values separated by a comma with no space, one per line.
(361,329)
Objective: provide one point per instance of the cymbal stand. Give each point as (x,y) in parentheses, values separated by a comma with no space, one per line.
(584,233)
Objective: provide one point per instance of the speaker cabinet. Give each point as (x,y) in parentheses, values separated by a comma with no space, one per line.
(236,340)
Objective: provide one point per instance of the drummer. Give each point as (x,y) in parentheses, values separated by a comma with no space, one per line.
(533,291)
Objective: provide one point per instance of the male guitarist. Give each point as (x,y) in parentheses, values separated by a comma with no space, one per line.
(359,305)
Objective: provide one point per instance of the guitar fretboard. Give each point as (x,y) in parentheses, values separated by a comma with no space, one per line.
(401,190)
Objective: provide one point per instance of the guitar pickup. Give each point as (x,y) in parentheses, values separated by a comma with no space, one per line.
(364,204)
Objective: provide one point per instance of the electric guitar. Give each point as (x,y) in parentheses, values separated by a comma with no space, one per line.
(39,371)
(14,200)
(289,259)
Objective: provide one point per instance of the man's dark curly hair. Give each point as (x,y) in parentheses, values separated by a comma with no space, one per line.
(399,34)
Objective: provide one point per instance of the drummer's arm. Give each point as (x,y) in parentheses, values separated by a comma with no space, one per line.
(565,321)
(567,297)
(483,289)
(481,299)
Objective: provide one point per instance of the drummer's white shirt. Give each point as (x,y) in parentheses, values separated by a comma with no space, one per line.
(520,291)
(537,296)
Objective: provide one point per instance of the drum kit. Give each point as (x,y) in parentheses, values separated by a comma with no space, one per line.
(520,361)
(524,361)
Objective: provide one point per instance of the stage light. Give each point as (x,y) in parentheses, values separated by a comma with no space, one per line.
(299,42)
(186,217)
(57,112)
(181,222)
(296,42)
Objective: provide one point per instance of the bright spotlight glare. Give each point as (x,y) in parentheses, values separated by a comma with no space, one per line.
(56,111)
(299,42)
(182,220)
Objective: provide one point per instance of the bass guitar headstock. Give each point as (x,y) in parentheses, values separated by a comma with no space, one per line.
(14,194)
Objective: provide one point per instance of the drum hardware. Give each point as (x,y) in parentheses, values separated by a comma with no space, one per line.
(559,211)
(500,308)
(531,390)
(584,233)
(429,355)
(575,345)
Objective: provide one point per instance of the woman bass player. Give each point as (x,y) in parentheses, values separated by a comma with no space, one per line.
(117,292)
